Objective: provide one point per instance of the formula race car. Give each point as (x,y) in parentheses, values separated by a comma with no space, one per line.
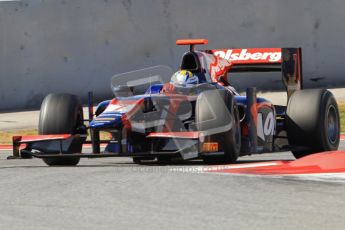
(194,113)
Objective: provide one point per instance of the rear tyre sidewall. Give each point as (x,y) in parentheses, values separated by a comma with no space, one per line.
(310,115)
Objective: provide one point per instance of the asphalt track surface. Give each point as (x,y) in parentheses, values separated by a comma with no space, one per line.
(114,193)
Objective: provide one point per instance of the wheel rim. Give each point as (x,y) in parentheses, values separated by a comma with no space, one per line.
(332,124)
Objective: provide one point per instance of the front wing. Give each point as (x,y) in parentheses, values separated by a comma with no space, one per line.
(190,145)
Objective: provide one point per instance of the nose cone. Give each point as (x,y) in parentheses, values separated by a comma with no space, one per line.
(106,121)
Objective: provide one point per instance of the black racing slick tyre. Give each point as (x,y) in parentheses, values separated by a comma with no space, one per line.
(142,160)
(61,114)
(217,116)
(312,122)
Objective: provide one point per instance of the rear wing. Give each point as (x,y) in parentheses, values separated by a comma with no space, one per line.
(288,61)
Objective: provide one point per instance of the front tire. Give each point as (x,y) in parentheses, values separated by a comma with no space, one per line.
(312,122)
(142,160)
(61,114)
(216,109)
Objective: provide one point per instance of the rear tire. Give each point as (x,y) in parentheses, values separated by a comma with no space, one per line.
(61,114)
(217,109)
(312,122)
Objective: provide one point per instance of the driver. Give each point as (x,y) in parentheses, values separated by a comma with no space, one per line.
(186,79)
(182,78)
